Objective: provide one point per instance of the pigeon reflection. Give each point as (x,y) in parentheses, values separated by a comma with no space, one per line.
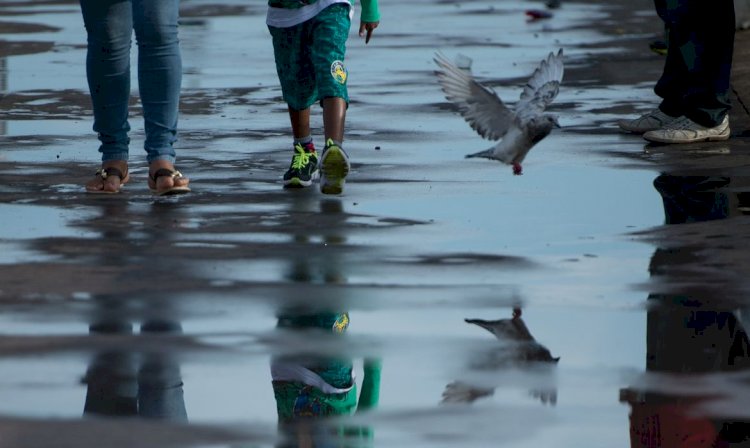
(134,384)
(519,349)
(688,335)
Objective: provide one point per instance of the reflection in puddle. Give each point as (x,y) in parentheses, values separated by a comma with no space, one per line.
(517,350)
(125,384)
(691,335)
(26,222)
(309,388)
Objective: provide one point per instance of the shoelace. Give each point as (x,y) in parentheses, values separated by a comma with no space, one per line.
(300,158)
(679,124)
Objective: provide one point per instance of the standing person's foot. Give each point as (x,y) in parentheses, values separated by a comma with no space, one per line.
(164,180)
(334,166)
(656,119)
(303,170)
(110,178)
(686,130)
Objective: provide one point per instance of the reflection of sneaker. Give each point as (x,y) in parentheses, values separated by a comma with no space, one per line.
(686,130)
(304,167)
(651,121)
(334,166)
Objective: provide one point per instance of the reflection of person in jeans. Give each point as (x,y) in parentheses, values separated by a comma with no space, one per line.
(308,387)
(109,26)
(694,85)
(687,334)
(127,384)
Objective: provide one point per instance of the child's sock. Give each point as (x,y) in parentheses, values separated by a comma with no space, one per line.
(305,142)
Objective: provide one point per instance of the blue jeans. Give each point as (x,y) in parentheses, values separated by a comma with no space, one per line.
(110,25)
(697,70)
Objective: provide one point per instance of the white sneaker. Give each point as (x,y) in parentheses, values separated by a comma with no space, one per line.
(686,130)
(651,121)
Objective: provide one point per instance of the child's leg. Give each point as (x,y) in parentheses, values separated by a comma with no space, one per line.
(300,120)
(304,167)
(294,68)
(328,51)
(334,162)
(334,118)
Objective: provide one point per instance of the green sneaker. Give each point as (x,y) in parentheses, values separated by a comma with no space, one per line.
(334,166)
(303,170)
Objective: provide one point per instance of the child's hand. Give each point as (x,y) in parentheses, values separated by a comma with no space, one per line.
(367,27)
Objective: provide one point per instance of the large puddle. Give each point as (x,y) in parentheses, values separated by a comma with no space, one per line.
(130,321)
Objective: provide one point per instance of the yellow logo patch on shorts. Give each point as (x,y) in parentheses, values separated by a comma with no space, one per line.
(338,71)
(341,324)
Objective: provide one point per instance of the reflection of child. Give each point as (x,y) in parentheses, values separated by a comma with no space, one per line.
(309,43)
(314,387)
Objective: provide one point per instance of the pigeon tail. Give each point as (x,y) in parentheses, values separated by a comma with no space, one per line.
(487,154)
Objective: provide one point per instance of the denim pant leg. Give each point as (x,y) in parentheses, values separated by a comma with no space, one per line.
(160,387)
(159,73)
(695,80)
(109,26)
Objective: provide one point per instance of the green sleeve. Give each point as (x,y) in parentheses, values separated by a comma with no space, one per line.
(370,11)
(370,394)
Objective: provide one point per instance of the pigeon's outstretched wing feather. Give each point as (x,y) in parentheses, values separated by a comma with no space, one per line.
(481,107)
(542,88)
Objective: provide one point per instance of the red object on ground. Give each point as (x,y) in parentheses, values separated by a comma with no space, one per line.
(538,14)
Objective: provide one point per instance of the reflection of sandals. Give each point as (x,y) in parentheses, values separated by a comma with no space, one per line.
(104,173)
(161,172)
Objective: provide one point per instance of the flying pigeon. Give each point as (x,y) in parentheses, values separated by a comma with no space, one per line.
(517,129)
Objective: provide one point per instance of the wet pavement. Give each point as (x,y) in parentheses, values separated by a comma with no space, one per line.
(134,321)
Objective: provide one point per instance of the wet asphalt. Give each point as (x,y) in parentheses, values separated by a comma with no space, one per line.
(137,321)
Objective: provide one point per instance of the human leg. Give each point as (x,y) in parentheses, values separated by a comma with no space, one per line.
(329,50)
(300,120)
(159,80)
(334,162)
(294,68)
(671,86)
(329,36)
(109,26)
(334,118)
(708,54)
(701,42)
(303,169)
(697,71)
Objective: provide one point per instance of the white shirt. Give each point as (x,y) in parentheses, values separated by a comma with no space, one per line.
(285,18)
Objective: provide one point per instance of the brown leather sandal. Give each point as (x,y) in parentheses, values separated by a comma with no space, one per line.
(174,174)
(104,173)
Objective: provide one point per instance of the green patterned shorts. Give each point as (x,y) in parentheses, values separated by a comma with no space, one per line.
(310,57)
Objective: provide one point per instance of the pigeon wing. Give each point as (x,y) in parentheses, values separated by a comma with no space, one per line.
(542,88)
(481,107)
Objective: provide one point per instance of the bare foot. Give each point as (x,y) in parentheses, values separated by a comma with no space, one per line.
(109,178)
(164,179)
